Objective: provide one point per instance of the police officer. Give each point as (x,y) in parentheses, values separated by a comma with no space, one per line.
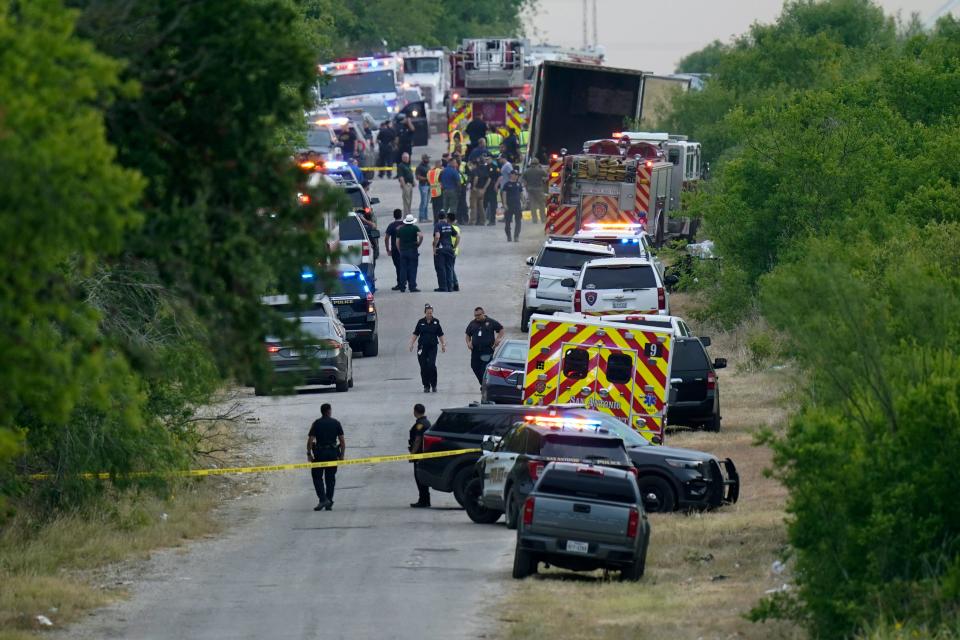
(444,247)
(427,334)
(483,336)
(415,445)
(325,443)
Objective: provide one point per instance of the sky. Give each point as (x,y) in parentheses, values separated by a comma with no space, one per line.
(640,34)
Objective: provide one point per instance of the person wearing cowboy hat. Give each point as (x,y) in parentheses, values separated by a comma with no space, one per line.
(427,334)
(409,238)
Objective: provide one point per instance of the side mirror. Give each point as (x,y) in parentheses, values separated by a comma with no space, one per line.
(671,280)
(705,341)
(720,363)
(569,283)
(531,261)
(374,200)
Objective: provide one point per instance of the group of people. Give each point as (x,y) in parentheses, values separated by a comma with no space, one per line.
(394,141)
(403,238)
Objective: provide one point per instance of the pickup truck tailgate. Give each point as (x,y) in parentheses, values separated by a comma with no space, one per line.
(587,519)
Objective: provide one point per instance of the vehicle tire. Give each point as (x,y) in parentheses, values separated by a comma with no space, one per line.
(657,494)
(350,382)
(343,386)
(372,348)
(635,571)
(524,564)
(525,318)
(459,485)
(713,424)
(512,513)
(471,503)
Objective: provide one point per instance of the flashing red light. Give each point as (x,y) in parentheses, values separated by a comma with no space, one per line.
(272,347)
(633,524)
(455,96)
(303,198)
(649,163)
(365,249)
(534,279)
(534,468)
(528,508)
(554,156)
(308,165)
(661,299)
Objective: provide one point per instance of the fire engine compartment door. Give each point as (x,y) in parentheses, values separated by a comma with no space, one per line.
(601,203)
(578,373)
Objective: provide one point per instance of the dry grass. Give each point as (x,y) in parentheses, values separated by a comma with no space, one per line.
(63,568)
(704,571)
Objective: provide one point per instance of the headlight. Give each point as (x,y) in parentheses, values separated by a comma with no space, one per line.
(695,465)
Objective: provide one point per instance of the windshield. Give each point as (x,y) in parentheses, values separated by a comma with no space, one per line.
(564,259)
(350,283)
(351,229)
(358,84)
(516,351)
(689,355)
(626,277)
(421,65)
(319,138)
(356,198)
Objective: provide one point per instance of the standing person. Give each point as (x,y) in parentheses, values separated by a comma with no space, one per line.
(443,250)
(406,180)
(390,244)
(479,182)
(463,213)
(450,182)
(423,185)
(511,145)
(477,154)
(476,128)
(427,334)
(404,135)
(457,239)
(357,172)
(512,194)
(409,239)
(348,142)
(506,168)
(535,180)
(415,445)
(436,190)
(483,336)
(386,139)
(491,194)
(325,443)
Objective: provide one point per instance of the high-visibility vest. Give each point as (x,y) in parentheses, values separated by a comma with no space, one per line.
(433,179)
(524,140)
(456,240)
(493,143)
(456,138)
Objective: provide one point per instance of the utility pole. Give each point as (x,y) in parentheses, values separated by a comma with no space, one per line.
(594,24)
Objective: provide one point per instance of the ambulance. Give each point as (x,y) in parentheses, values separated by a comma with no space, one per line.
(621,369)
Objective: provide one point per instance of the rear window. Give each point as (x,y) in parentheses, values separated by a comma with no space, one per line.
(583,448)
(474,422)
(350,283)
(689,355)
(579,485)
(319,138)
(350,229)
(516,351)
(357,200)
(639,276)
(564,259)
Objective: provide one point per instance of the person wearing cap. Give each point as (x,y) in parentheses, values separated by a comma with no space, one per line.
(409,239)
(423,185)
(444,246)
(535,180)
(427,334)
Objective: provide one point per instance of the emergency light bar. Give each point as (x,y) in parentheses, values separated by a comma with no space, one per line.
(629,226)
(331,122)
(336,164)
(358,64)
(562,422)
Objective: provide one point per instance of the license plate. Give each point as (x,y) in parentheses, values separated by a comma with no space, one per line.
(578,547)
(619,305)
(324,354)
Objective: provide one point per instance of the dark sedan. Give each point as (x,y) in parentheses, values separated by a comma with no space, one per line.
(503,379)
(324,357)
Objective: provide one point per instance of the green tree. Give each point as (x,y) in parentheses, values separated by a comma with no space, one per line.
(705,60)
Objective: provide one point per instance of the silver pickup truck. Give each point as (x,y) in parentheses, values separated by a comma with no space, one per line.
(583,517)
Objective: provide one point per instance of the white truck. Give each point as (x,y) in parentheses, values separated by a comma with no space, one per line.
(428,69)
(355,85)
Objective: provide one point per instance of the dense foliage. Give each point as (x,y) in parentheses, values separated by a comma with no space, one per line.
(835,206)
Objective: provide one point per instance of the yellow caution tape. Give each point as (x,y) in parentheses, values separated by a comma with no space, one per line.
(378,168)
(189,473)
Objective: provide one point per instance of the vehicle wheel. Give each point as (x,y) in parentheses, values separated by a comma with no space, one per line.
(372,348)
(471,502)
(343,386)
(350,382)
(512,513)
(525,318)
(460,480)
(523,563)
(657,494)
(635,571)
(713,424)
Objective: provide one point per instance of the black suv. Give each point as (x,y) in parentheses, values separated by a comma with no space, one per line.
(506,475)
(356,309)
(696,402)
(669,478)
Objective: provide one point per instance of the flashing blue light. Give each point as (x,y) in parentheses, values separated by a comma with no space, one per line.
(348,274)
(306,274)
(374,63)
(624,240)
(366,289)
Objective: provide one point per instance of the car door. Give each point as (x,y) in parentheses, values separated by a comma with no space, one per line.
(417,112)
(498,465)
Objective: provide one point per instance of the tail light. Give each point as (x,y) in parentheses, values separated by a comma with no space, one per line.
(371,308)
(272,347)
(534,279)
(711,380)
(633,470)
(661,299)
(633,524)
(303,198)
(534,469)
(331,345)
(429,442)
(528,511)
(367,209)
(499,372)
(576,301)
(365,249)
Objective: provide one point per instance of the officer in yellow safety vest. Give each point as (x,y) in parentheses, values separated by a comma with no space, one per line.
(493,143)
(436,191)
(524,141)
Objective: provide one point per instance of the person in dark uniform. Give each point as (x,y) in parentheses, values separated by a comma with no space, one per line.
(415,445)
(427,334)
(483,336)
(324,443)
(444,247)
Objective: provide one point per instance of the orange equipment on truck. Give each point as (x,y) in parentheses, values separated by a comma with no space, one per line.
(607,187)
(618,368)
(487,77)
